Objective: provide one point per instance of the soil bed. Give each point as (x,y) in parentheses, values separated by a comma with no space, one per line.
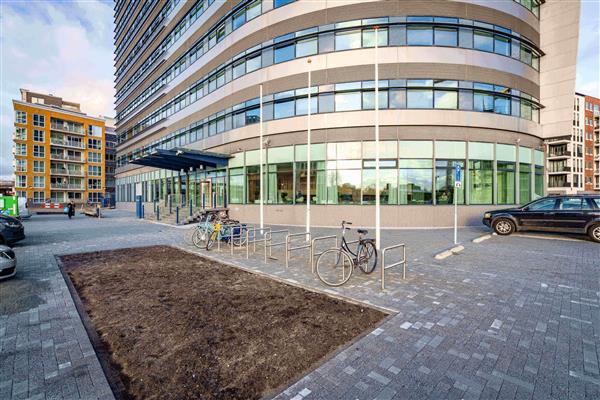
(176,325)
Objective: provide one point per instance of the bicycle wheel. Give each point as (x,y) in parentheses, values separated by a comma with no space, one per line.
(189,235)
(200,237)
(332,273)
(366,256)
(211,240)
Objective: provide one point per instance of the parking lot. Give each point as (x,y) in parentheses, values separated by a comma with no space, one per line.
(510,317)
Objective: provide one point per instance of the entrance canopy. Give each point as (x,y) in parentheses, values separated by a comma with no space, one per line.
(178,159)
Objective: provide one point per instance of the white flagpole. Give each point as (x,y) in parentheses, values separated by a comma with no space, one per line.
(260,138)
(308,144)
(377,189)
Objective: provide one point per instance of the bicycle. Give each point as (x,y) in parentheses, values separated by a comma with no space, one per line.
(202,231)
(365,258)
(226,230)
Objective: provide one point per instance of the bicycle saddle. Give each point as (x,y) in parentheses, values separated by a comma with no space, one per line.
(362,231)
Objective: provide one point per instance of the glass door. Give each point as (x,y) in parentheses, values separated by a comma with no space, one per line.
(205,194)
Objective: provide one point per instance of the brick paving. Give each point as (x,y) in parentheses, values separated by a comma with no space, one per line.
(508,318)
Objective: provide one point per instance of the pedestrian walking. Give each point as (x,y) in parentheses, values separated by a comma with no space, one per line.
(71,209)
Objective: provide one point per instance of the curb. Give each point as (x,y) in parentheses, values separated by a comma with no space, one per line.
(447,253)
(482,238)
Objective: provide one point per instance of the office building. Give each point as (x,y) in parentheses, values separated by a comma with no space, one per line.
(477,84)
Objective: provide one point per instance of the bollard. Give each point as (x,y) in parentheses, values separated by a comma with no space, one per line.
(142,211)
(170,205)
(158,213)
(177,215)
(155,205)
(203,201)
(190,207)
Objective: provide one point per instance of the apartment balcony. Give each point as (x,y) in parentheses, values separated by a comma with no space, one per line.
(68,186)
(19,137)
(67,129)
(559,156)
(62,157)
(65,172)
(560,171)
(66,143)
(558,141)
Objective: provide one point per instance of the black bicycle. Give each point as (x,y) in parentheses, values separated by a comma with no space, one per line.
(335,266)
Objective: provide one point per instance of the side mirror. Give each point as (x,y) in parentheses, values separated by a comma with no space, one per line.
(525,208)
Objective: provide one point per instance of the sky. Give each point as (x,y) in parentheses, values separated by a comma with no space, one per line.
(66,48)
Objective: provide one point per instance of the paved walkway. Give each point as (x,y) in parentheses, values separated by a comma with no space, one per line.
(508,318)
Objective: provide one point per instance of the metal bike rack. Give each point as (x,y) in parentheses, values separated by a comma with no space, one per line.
(254,239)
(270,245)
(232,235)
(312,249)
(288,249)
(220,235)
(384,267)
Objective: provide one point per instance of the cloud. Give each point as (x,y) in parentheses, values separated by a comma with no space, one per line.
(59,47)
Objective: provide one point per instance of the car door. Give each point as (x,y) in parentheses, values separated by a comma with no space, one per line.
(537,215)
(572,214)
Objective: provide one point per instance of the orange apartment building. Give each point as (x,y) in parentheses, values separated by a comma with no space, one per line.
(58,150)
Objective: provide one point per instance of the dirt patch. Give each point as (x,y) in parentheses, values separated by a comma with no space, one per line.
(181,326)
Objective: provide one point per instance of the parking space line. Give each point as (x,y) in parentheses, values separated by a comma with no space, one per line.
(548,237)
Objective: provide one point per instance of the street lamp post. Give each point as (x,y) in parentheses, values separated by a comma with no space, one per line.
(308,145)
(377,189)
(260,139)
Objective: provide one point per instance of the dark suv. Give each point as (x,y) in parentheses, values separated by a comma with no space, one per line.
(568,213)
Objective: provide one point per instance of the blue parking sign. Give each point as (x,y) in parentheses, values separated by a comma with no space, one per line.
(457,173)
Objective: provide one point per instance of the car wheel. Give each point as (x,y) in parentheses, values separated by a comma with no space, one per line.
(504,226)
(594,233)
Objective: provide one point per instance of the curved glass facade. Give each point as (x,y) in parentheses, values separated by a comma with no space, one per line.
(349,35)
(413,172)
(440,94)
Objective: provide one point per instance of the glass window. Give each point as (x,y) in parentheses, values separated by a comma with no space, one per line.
(501,45)
(444,182)
(302,105)
(415,182)
(280,3)
(483,102)
(505,152)
(417,35)
(596,201)
(253,10)
(524,183)
(326,103)
(284,53)
(252,64)
(416,149)
(397,98)
(306,47)
(38,120)
(573,203)
(253,184)
(348,186)
(348,40)
(481,151)
(506,182)
(481,173)
(446,37)
(368,100)
(483,41)
(445,99)
(387,149)
(318,183)
(450,149)
(239,19)
(368,37)
(417,98)
(38,135)
(317,152)
(20,117)
(348,101)
(388,186)
(544,204)
(284,109)
(280,183)
(502,105)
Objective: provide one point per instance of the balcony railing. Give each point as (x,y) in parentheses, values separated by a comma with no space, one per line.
(65,171)
(66,157)
(19,137)
(560,154)
(67,143)
(559,169)
(72,186)
(67,128)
